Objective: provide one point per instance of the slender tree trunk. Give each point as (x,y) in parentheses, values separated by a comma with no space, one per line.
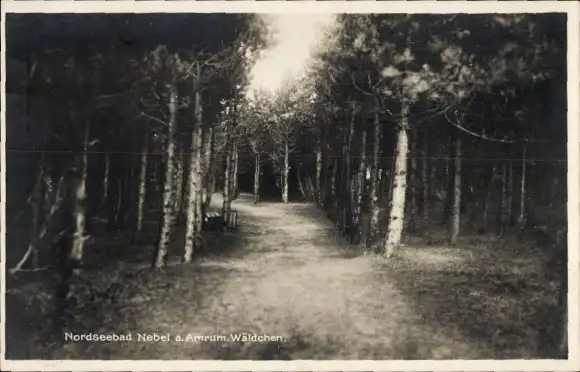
(49,193)
(510,194)
(318,191)
(80,197)
(504,196)
(309,186)
(397,213)
(208,168)
(374,211)
(53,200)
(228,161)
(154,169)
(112,198)
(432,184)
(119,205)
(226,206)
(168,187)
(456,213)
(389,176)
(142,185)
(333,180)
(159,180)
(342,200)
(448,206)
(425,178)
(333,193)
(194,217)
(178,185)
(257,171)
(36,207)
(106,180)
(350,192)
(360,185)
(71,247)
(523,196)
(286,172)
(413,174)
(489,196)
(199,211)
(235,171)
(210,190)
(300,184)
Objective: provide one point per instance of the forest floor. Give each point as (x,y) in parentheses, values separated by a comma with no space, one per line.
(286,271)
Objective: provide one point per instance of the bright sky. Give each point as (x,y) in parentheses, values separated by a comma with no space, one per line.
(296,35)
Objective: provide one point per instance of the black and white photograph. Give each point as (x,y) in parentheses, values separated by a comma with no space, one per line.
(277,183)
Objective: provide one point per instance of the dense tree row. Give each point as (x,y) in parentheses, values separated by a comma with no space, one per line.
(144,123)
(408,122)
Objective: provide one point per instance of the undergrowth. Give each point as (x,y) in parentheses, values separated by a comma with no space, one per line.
(296,277)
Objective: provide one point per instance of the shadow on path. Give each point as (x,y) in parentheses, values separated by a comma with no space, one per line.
(285,278)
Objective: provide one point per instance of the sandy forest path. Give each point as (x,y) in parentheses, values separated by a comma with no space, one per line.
(289,276)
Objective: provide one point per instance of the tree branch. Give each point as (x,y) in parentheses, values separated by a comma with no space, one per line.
(152,118)
(357,87)
(482,136)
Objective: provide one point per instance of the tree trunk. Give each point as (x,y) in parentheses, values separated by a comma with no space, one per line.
(300,184)
(208,168)
(50,194)
(257,171)
(333,193)
(510,199)
(119,205)
(178,185)
(456,213)
(342,200)
(142,185)
(360,185)
(36,206)
(286,172)
(159,181)
(488,197)
(235,171)
(397,212)
(199,185)
(309,186)
(389,176)
(318,191)
(425,179)
(194,217)
(129,190)
(448,206)
(80,195)
(504,196)
(523,196)
(106,180)
(333,180)
(349,194)
(226,206)
(413,174)
(52,202)
(168,187)
(374,211)
(112,198)
(71,247)
(227,198)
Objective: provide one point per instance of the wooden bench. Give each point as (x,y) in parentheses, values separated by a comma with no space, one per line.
(216,221)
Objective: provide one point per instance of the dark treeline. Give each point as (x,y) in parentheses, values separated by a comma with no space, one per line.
(429,126)
(436,127)
(130,110)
